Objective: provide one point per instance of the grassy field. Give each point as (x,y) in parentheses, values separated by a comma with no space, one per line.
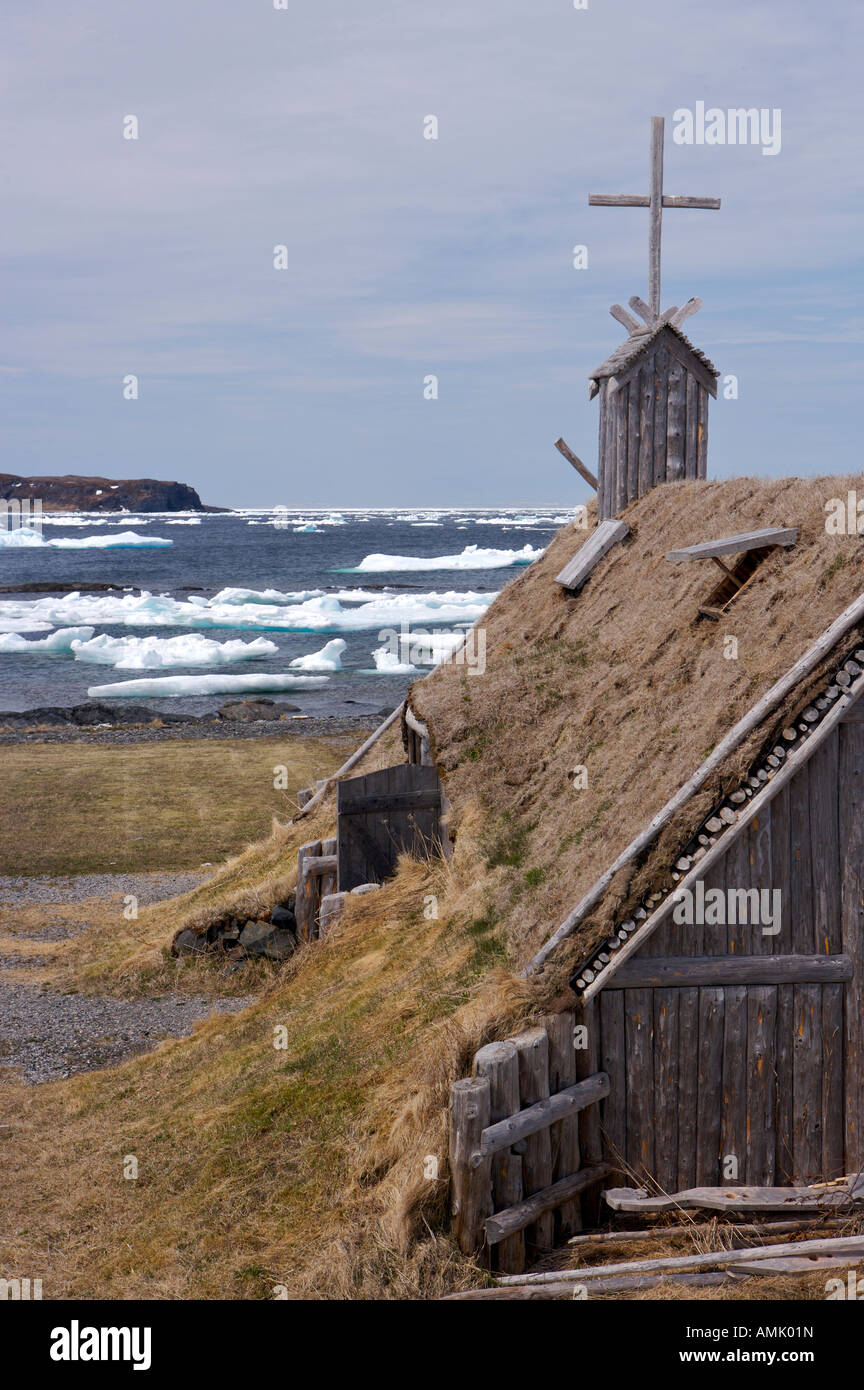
(68,808)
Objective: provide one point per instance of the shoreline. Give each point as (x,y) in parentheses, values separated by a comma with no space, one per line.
(195,730)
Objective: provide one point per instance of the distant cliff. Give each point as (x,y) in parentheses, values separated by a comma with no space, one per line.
(74,494)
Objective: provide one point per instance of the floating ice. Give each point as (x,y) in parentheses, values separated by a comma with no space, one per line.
(328,659)
(471,558)
(63,640)
(154,653)
(24,538)
(321,614)
(387,663)
(170,686)
(265,596)
(188,521)
(310,526)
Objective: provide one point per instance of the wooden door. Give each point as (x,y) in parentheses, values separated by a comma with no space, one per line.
(383,814)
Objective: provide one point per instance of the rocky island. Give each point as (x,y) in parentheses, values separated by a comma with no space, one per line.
(77,494)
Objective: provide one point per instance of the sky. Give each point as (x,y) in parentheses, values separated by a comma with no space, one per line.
(410,257)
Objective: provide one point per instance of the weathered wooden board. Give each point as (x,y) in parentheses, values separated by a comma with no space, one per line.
(650,972)
(499,1063)
(533,1052)
(639,1042)
(732,545)
(383,814)
(591,552)
(734,1199)
(851,836)
(564,1134)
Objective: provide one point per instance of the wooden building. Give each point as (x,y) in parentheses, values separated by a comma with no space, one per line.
(654,392)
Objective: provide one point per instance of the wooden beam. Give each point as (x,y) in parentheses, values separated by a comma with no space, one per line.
(691,307)
(820,1198)
(734,545)
(642,310)
(538,1117)
(832,1245)
(652,972)
(642,200)
(591,552)
(577,463)
(514,1219)
(321,864)
(619,313)
(471,1183)
(696,1228)
(563,1289)
(755,716)
(655,214)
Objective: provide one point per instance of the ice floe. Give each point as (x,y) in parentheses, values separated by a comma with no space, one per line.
(154,653)
(25,538)
(63,640)
(473,557)
(160,687)
(328,659)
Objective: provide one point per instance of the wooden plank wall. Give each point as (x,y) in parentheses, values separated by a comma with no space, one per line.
(653,429)
(770,1075)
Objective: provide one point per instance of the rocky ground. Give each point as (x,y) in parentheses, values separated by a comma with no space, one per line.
(45,1036)
(124,724)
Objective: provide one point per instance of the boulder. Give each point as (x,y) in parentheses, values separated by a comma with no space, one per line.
(190,943)
(331,906)
(365,888)
(283,917)
(263,939)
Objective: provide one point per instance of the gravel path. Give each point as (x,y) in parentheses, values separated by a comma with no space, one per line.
(45,1036)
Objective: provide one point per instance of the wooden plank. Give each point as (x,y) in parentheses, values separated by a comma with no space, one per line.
(733,1128)
(323,864)
(621,405)
(830,1245)
(833,1162)
(737,865)
(676,409)
(761,877)
(604,510)
(565,1134)
(807,1082)
(688,1084)
(538,1117)
(851,842)
(587,1018)
(646,426)
(691,467)
(639,1039)
(661,398)
(391,802)
(578,570)
(733,1198)
(532,1048)
(734,545)
(686,358)
(825,845)
(702,435)
(708,1106)
(470,1183)
(803,932)
(647,972)
(307,895)
(499,1064)
(634,403)
(761,1033)
(614,1061)
(642,200)
(581,468)
(693,305)
(666,1101)
(506,1224)
(562,1289)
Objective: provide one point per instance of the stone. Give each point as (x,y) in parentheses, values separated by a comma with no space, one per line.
(189,943)
(331,906)
(283,917)
(366,888)
(263,939)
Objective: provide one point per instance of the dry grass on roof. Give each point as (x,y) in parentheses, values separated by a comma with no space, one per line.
(624,680)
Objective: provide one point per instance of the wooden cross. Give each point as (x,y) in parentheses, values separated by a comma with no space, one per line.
(655,201)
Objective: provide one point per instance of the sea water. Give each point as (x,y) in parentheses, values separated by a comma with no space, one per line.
(291,582)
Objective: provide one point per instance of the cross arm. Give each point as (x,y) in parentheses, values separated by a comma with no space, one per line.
(642,200)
